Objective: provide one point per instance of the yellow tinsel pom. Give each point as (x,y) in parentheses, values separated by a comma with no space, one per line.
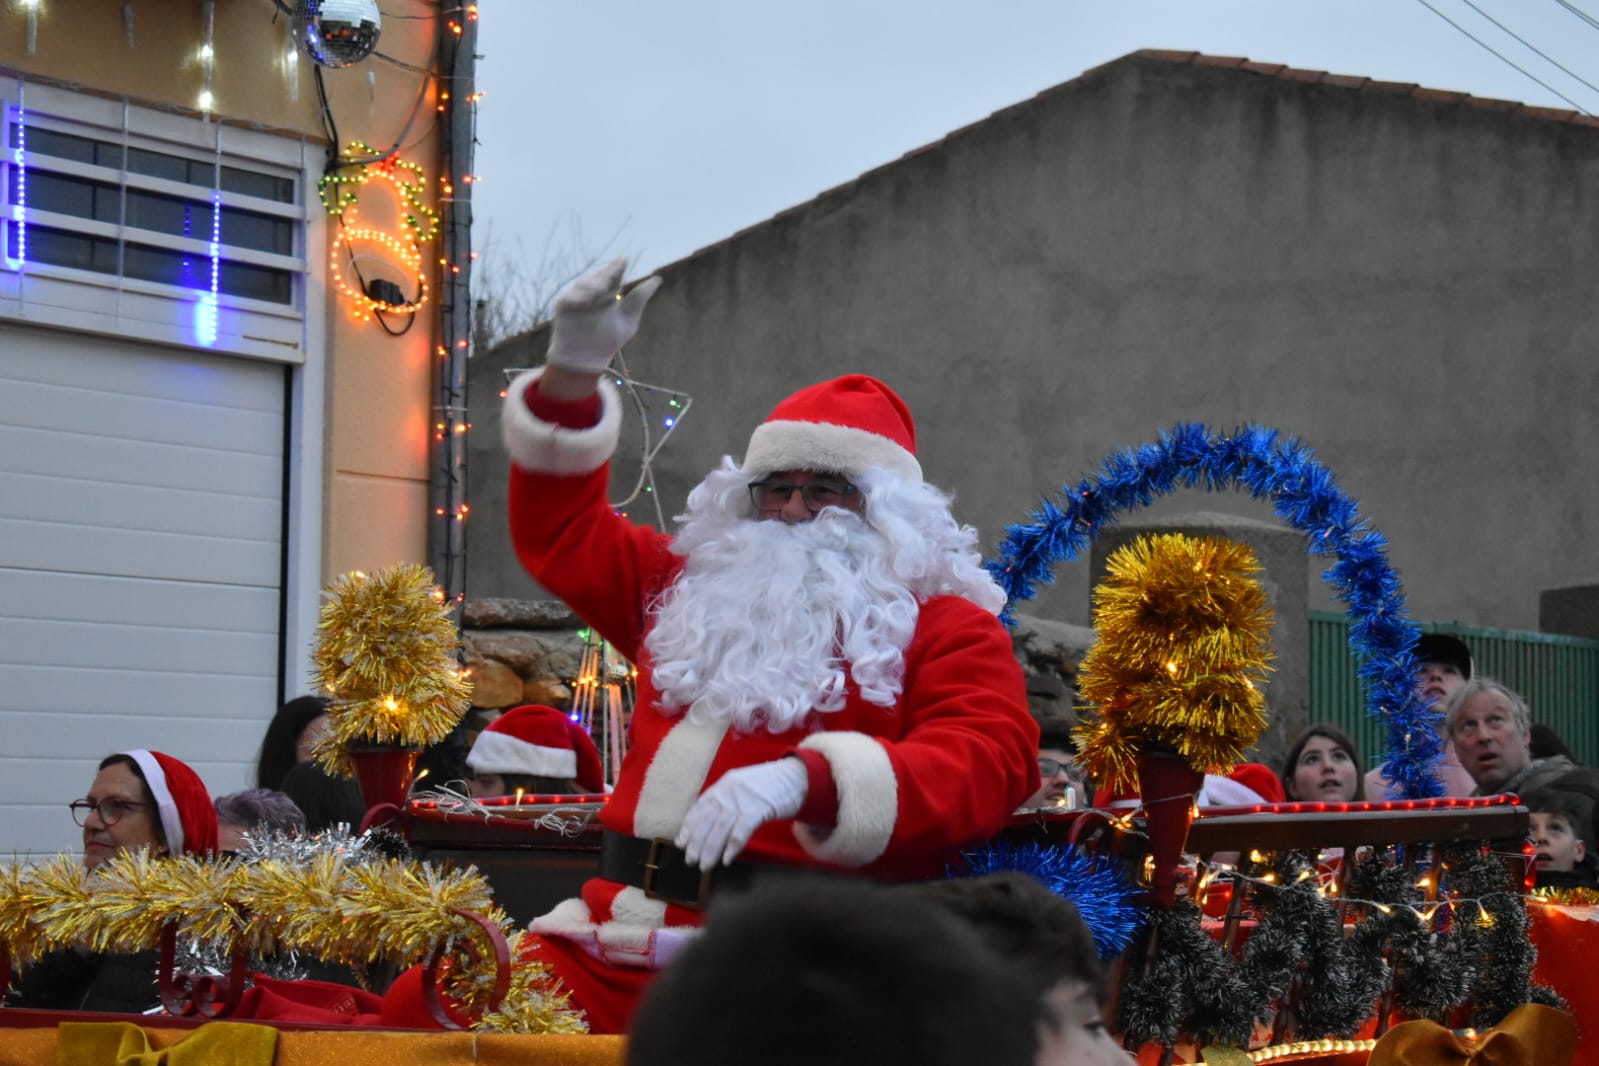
(1180,649)
(27,893)
(534,1003)
(387,656)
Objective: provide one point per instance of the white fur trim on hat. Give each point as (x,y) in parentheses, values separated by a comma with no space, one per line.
(824,448)
(868,799)
(546,448)
(500,753)
(156,778)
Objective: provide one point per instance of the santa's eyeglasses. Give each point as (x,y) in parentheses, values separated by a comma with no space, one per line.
(1048,768)
(824,492)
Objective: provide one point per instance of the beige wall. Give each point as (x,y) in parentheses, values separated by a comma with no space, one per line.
(377,386)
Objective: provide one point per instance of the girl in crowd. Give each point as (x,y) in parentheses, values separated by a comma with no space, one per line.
(298,725)
(1323,766)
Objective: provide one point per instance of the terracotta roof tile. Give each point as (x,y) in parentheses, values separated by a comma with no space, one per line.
(1203,60)
(1346,81)
(1391,88)
(1300,74)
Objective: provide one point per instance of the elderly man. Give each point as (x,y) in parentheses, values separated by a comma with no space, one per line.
(823,682)
(1490,727)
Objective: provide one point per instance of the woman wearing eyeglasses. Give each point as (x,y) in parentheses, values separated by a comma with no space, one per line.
(139,799)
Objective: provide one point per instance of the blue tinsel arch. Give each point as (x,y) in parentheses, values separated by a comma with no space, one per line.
(1304,494)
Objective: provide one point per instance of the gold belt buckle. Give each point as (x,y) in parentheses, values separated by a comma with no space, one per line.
(652,866)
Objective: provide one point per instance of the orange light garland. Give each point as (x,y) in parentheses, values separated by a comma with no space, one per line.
(340,195)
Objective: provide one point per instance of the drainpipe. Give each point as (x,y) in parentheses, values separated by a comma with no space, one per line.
(457,27)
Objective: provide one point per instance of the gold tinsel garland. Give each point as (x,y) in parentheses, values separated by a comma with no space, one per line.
(386,654)
(338,906)
(1180,648)
(1567,897)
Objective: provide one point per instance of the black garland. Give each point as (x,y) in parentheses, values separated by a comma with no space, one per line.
(1299,958)
(1499,935)
(1191,984)
(1303,934)
(1433,971)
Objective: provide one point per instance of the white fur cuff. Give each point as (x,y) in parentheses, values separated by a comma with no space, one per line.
(545,448)
(868,799)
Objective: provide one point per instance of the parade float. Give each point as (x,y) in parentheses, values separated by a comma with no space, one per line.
(1396,932)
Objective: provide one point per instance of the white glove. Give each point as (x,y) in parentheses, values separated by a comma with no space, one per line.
(727,814)
(593,319)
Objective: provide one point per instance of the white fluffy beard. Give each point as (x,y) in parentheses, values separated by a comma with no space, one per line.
(766,619)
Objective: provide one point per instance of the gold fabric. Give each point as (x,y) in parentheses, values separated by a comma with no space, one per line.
(125,1044)
(1530,1035)
(356,1047)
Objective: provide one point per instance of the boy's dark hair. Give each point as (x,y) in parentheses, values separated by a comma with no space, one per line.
(1561,804)
(811,970)
(1025,924)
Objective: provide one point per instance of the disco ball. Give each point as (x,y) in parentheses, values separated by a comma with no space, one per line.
(337,33)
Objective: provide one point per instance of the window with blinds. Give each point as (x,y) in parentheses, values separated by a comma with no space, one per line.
(118,207)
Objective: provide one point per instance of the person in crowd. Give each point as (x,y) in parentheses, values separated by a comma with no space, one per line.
(289,739)
(1446,664)
(1062,781)
(1544,742)
(254,811)
(1047,941)
(821,661)
(1559,822)
(1323,765)
(834,971)
(1491,729)
(325,800)
(534,750)
(139,799)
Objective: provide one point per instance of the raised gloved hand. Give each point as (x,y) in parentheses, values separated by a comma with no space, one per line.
(593,319)
(727,814)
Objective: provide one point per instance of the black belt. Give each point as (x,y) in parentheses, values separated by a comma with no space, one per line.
(660,868)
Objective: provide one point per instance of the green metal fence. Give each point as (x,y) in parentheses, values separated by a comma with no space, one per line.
(1559,676)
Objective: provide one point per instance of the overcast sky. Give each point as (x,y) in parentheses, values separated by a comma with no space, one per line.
(655,128)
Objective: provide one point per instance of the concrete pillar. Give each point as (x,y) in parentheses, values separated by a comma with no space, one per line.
(1571,611)
(1285,578)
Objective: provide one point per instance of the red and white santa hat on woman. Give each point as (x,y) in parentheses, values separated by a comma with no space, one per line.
(188,817)
(540,741)
(840,426)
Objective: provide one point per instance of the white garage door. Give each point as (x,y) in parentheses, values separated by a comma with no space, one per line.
(141,558)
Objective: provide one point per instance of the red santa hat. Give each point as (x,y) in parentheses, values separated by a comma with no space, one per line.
(840,426)
(541,741)
(188,817)
(1263,780)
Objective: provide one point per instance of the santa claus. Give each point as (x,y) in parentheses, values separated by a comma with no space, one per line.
(823,682)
